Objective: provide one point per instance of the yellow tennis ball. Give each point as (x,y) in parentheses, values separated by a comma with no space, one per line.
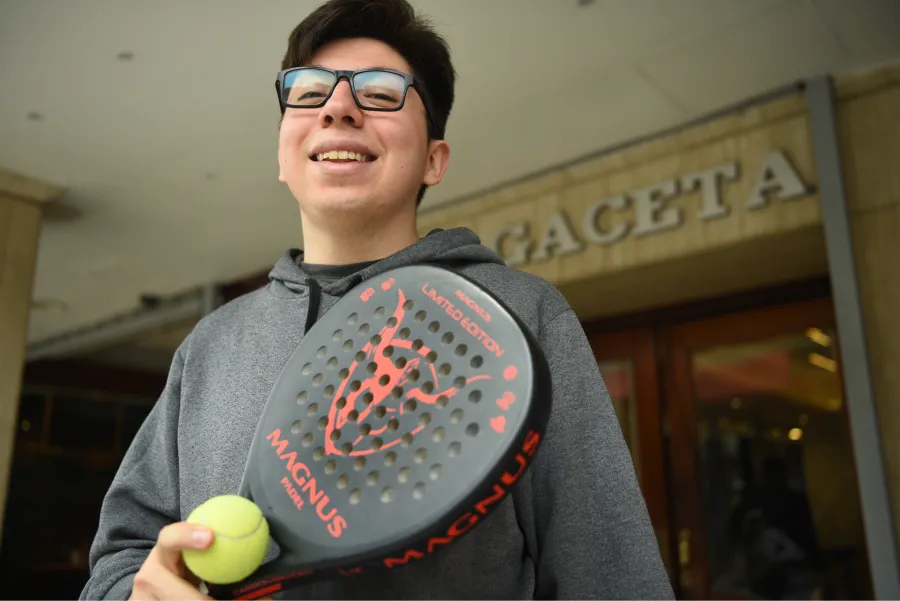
(240,544)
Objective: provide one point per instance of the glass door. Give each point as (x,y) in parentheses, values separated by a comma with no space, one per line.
(763,483)
(628,363)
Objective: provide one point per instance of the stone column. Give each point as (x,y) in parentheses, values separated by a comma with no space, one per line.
(21,206)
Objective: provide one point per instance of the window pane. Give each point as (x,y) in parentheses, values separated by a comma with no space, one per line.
(781,504)
(618,375)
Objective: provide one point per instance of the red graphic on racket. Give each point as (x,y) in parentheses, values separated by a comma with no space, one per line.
(402,419)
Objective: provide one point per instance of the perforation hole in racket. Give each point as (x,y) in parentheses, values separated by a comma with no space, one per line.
(419,491)
(454,449)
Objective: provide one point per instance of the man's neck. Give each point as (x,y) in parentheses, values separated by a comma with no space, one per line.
(356,245)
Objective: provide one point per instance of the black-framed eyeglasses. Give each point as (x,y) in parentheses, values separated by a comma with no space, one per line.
(373,89)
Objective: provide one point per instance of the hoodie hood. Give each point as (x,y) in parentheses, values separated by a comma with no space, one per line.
(458,246)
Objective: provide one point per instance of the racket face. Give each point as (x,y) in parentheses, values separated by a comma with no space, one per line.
(399,413)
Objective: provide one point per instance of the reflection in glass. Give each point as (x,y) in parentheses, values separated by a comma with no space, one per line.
(780,499)
(618,375)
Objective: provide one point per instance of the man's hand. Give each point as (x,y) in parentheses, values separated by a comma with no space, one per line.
(163,575)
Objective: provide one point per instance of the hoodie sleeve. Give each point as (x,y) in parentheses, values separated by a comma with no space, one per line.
(142,498)
(594,539)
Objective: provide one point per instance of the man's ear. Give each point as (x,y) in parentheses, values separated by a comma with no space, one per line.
(280,158)
(438,160)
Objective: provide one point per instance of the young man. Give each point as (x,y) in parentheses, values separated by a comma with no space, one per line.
(576,527)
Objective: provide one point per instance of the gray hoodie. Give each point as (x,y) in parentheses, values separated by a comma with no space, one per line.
(576,526)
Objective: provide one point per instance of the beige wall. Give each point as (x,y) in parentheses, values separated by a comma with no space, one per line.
(740,248)
(20,219)
(869,129)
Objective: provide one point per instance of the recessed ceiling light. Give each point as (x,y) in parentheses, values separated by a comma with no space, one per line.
(125,56)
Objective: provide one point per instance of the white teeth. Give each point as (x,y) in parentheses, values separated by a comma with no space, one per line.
(342,154)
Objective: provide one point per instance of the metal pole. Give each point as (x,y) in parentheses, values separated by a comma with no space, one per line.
(852,339)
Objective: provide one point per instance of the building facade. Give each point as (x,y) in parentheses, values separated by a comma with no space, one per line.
(735,281)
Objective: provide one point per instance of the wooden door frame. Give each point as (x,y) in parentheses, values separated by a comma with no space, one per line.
(679,342)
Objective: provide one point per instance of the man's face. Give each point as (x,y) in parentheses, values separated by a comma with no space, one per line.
(398,158)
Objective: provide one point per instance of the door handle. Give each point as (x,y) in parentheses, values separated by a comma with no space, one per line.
(684,557)
(684,548)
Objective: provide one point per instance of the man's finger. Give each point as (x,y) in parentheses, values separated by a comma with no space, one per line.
(175,538)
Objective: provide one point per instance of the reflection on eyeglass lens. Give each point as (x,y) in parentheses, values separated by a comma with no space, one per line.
(374,89)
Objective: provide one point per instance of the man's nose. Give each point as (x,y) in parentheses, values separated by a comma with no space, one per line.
(341,107)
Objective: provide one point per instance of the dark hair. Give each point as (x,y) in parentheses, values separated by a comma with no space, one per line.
(395,23)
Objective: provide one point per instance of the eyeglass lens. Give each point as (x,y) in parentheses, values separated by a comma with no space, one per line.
(374,89)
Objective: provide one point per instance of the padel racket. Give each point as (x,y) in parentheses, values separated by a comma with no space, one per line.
(402,419)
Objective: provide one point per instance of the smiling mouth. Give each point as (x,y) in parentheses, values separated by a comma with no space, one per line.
(342,156)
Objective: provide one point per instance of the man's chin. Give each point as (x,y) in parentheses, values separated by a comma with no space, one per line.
(342,202)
